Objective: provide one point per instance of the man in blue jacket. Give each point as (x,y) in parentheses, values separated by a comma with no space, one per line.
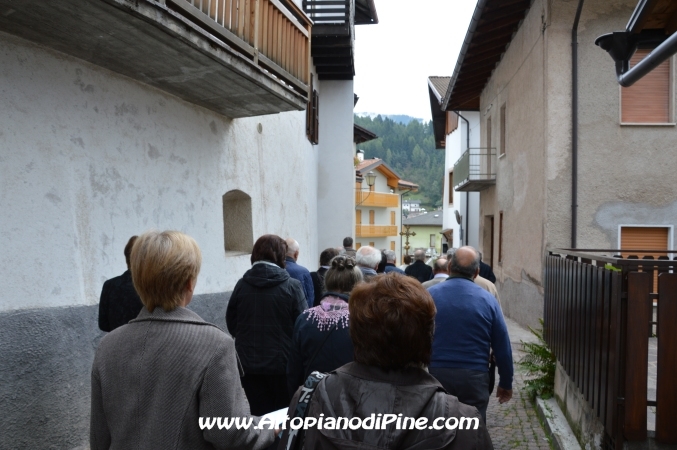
(299,272)
(468,324)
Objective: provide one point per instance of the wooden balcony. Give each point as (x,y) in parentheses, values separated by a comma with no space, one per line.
(375,230)
(239,58)
(377,199)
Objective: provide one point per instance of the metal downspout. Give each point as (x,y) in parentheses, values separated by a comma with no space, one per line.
(574,125)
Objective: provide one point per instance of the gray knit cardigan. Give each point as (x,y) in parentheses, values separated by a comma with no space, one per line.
(153,378)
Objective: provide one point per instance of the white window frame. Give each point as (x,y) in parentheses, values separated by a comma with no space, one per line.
(671,104)
(671,231)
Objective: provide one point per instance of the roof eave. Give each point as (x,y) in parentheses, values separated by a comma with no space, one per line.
(464,49)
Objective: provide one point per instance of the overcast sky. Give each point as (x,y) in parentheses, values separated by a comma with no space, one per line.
(412,41)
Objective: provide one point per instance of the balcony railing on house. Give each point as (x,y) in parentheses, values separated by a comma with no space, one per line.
(475,170)
(598,321)
(264,30)
(377,199)
(328,12)
(239,58)
(332,37)
(375,230)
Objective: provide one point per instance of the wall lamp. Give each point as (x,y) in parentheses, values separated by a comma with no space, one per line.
(371,180)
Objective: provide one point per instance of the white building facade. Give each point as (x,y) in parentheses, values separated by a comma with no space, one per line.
(97,147)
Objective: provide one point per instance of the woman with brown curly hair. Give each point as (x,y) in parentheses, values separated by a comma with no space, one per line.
(321,339)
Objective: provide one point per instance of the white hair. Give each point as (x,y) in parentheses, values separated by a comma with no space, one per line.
(368,256)
(390,255)
(292,246)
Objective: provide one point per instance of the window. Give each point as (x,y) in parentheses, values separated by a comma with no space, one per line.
(488,240)
(489,151)
(358,245)
(433,240)
(502,137)
(452,122)
(451,188)
(648,100)
(645,238)
(371,217)
(392,245)
(489,133)
(237,222)
(392,217)
(500,237)
(312,116)
(371,244)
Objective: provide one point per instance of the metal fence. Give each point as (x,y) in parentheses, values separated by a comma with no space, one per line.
(598,319)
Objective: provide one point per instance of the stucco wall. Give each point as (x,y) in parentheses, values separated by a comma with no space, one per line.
(518,83)
(45,381)
(622,170)
(636,187)
(456,144)
(335,216)
(90,158)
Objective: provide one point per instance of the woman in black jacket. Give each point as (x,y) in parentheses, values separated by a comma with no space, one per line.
(260,316)
(321,339)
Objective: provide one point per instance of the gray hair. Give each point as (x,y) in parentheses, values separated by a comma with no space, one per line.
(467,270)
(441,265)
(368,257)
(419,255)
(390,256)
(450,252)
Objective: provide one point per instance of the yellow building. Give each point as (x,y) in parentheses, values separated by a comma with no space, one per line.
(428,229)
(378,199)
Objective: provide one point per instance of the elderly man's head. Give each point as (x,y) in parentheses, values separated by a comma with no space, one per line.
(390,256)
(419,255)
(368,257)
(465,262)
(441,266)
(292,248)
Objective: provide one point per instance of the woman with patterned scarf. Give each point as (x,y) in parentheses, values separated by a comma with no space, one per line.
(321,340)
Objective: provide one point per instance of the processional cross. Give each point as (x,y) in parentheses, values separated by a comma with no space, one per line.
(407,234)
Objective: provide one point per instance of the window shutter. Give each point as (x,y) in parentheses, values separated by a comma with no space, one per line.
(645,238)
(312,116)
(452,122)
(648,100)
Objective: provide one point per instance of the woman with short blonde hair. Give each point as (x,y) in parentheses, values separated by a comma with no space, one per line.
(162,266)
(153,378)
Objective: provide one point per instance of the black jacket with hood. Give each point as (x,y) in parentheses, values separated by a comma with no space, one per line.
(261,314)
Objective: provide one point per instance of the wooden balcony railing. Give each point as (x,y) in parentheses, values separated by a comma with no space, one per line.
(378,199)
(599,318)
(375,230)
(263,30)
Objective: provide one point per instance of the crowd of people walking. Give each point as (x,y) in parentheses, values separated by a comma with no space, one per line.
(358,336)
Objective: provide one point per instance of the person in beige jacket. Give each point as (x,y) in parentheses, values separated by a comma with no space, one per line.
(154,378)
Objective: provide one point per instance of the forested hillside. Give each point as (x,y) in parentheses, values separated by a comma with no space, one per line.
(410,151)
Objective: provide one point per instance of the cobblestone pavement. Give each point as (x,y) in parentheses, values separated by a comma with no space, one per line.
(515,425)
